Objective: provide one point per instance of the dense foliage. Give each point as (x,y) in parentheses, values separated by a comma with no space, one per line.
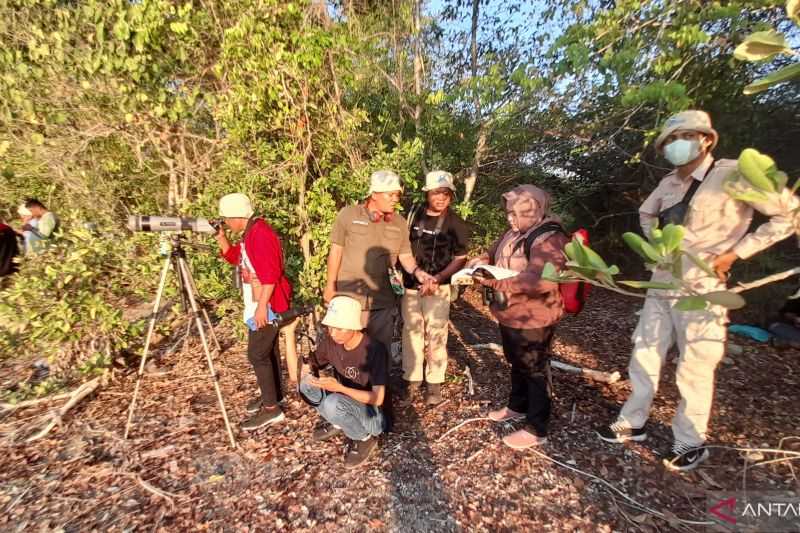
(160,107)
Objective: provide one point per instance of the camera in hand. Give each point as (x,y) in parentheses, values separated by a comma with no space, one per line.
(498,299)
(326,372)
(159,223)
(216,223)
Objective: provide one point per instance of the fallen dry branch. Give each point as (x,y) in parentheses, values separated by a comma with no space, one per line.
(8,408)
(155,490)
(594,375)
(55,418)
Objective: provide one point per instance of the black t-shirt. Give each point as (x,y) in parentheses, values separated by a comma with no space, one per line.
(361,368)
(435,241)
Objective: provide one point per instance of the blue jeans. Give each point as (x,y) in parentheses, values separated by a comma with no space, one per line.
(358,421)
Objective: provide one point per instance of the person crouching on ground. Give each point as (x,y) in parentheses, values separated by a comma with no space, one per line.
(265,290)
(531,310)
(350,401)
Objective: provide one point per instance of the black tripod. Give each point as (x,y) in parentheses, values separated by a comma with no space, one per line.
(189,297)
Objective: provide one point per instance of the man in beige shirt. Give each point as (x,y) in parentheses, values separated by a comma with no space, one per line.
(716,231)
(366,241)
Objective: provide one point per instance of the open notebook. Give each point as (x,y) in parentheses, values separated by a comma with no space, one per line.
(464,276)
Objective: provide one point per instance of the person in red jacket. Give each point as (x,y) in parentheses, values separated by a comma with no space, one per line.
(9,249)
(265,290)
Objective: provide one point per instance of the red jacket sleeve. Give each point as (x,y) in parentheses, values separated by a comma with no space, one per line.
(234,254)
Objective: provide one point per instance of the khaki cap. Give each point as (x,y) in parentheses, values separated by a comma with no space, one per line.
(691,120)
(438,179)
(384,181)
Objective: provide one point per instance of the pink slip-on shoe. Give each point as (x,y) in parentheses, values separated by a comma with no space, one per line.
(505,415)
(521,439)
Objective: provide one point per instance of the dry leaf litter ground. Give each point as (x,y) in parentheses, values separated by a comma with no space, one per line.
(177,472)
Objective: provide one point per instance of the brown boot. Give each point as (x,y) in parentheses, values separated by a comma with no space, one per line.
(408,391)
(433,394)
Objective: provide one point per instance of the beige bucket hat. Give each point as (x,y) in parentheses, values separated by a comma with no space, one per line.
(692,120)
(343,313)
(235,205)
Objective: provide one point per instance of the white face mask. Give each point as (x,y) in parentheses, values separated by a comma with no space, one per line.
(681,151)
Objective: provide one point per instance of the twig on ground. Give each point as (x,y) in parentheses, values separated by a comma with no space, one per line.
(470,383)
(467,421)
(745,449)
(74,398)
(474,455)
(624,515)
(791,468)
(630,500)
(595,375)
(154,490)
(8,408)
(439,405)
(774,461)
(17,500)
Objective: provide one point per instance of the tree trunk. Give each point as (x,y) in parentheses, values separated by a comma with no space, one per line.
(172,197)
(186,172)
(480,146)
(418,73)
(399,58)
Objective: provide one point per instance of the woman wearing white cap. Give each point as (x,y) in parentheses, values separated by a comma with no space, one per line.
(266,290)
(350,401)
(716,231)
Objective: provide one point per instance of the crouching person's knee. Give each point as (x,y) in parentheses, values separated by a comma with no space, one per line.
(313,395)
(330,409)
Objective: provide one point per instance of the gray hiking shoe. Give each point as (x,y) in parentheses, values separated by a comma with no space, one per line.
(263,418)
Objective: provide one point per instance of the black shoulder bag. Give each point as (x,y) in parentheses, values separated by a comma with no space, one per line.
(677,213)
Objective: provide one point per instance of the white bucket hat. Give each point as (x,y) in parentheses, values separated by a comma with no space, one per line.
(384,181)
(692,120)
(24,211)
(343,313)
(235,205)
(438,179)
